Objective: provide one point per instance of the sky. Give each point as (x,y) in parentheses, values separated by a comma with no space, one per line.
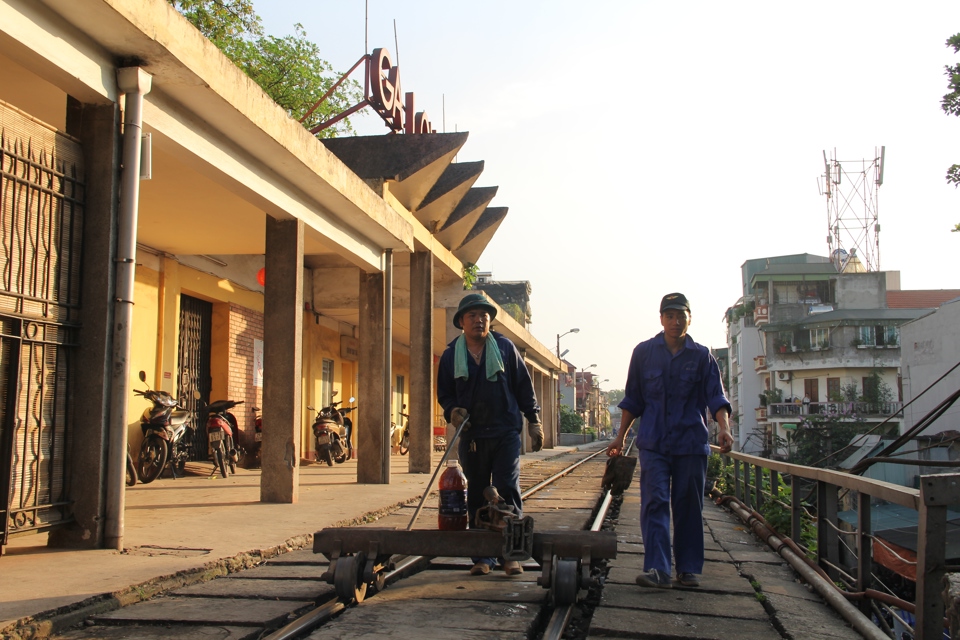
(650,147)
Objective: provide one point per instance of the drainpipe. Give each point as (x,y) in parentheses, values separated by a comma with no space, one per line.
(134,83)
(387,363)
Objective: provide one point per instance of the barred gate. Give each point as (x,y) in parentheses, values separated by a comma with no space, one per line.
(41,217)
(196,318)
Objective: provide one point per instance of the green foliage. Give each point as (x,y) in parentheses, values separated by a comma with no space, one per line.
(819,440)
(570,421)
(779,516)
(515,312)
(288,69)
(614,396)
(774,395)
(470,271)
(951,104)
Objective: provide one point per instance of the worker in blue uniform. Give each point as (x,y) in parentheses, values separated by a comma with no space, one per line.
(671,384)
(481,373)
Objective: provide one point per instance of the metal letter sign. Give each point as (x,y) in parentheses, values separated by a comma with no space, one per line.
(385,96)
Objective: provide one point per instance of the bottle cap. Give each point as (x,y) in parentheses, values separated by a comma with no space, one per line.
(453,463)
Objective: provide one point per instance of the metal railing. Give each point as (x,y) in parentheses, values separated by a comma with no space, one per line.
(834,409)
(820,492)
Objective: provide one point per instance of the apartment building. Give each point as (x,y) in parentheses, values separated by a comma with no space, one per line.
(812,338)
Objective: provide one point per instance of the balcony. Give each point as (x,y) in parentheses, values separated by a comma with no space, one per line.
(761,413)
(835,409)
(761,314)
(760,363)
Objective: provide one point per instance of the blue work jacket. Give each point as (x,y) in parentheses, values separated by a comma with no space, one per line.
(671,394)
(496,407)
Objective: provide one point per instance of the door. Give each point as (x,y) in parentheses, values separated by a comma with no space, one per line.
(194,368)
(811,389)
(41,217)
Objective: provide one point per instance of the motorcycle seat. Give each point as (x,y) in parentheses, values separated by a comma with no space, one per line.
(179,418)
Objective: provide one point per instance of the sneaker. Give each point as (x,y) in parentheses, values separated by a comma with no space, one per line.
(688,579)
(656,579)
(512,568)
(480,569)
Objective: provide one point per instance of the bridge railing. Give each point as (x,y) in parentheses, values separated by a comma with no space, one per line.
(755,481)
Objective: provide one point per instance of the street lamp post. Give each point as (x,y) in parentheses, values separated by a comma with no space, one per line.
(559,393)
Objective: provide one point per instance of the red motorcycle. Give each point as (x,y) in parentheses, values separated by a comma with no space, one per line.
(223,435)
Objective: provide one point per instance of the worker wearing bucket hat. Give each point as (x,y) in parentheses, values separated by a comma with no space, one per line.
(482,374)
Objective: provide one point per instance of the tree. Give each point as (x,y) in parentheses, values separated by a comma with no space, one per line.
(951,105)
(570,421)
(820,440)
(288,69)
(614,396)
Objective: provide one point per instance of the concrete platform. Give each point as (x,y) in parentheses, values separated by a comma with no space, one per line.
(178,530)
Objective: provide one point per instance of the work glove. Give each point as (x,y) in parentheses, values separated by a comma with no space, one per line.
(535,431)
(458,415)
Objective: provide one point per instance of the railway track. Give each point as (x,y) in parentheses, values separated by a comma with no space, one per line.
(288,598)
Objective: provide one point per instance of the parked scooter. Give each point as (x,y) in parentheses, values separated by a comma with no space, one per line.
(328,429)
(131,469)
(257,438)
(400,434)
(163,432)
(347,433)
(223,434)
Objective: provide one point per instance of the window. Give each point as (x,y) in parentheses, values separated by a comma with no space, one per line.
(819,338)
(326,383)
(880,336)
(833,390)
(398,406)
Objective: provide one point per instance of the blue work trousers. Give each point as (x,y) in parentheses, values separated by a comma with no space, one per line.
(672,483)
(494,461)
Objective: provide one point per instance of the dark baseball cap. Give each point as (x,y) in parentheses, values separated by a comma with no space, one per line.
(674,301)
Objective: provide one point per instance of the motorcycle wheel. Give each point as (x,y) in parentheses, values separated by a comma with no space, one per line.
(405,443)
(219,457)
(328,457)
(131,472)
(153,458)
(342,458)
(233,463)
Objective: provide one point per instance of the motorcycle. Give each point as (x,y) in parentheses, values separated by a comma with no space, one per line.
(223,434)
(329,431)
(400,434)
(163,431)
(257,438)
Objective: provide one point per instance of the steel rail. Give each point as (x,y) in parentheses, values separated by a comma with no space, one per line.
(557,625)
(329,609)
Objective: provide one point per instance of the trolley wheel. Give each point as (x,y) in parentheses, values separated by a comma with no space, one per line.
(348,578)
(565,578)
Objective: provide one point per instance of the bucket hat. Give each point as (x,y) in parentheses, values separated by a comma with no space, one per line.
(674,301)
(473,301)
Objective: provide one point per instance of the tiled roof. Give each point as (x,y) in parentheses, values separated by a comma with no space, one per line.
(920,299)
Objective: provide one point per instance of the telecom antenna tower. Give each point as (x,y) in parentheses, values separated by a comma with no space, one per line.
(853,227)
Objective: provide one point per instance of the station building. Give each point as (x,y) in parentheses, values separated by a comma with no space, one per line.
(161,214)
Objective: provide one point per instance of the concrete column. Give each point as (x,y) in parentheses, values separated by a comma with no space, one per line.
(421,362)
(370,423)
(282,361)
(98,128)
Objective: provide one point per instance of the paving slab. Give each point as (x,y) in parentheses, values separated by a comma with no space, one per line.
(460,585)
(612,621)
(263,589)
(281,572)
(212,611)
(804,618)
(165,632)
(300,556)
(376,618)
(684,601)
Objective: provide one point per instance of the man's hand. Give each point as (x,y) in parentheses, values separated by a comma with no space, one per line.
(457,416)
(725,440)
(615,447)
(535,431)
